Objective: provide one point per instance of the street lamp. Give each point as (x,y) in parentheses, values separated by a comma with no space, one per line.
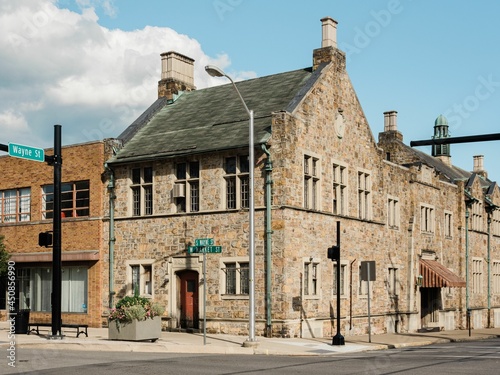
(216,72)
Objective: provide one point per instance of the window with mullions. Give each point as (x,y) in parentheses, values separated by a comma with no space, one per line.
(364,195)
(237,182)
(311,182)
(236,278)
(311,278)
(187,198)
(15,205)
(339,189)
(142,191)
(34,288)
(75,199)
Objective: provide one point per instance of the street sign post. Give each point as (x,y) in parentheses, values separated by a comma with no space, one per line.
(26,152)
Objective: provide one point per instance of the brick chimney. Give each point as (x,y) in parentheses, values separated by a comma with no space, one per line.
(479,166)
(328,51)
(177,75)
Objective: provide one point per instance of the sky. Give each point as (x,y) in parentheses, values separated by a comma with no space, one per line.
(92,66)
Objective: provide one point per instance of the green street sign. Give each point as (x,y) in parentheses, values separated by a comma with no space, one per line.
(26,152)
(204,242)
(204,249)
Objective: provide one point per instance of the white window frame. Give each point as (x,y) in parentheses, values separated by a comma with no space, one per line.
(393,212)
(15,205)
(340,189)
(393,281)
(145,189)
(476,216)
(311,172)
(495,277)
(364,181)
(343,279)
(238,261)
(191,201)
(477,275)
(146,277)
(311,278)
(241,178)
(448,224)
(427,218)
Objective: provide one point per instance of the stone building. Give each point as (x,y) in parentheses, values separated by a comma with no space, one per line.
(182,175)
(26,209)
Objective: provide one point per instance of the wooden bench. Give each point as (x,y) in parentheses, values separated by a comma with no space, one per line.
(80,328)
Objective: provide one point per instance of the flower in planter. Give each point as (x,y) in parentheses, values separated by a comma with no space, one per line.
(135,308)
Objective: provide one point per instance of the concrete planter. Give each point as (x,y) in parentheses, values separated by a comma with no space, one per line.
(149,329)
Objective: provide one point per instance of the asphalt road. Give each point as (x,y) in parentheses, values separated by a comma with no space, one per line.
(477,357)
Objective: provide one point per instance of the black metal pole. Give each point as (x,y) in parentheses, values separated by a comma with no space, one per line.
(453,140)
(56,248)
(338,339)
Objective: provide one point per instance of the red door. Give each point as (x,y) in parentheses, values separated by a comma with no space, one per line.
(189,299)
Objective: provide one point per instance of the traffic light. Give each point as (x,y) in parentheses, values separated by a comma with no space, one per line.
(45,239)
(334,253)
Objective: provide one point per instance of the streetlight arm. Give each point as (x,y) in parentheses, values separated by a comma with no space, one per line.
(216,72)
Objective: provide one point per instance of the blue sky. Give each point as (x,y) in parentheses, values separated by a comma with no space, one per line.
(93,65)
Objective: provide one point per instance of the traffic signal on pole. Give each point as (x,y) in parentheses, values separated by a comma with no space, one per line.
(45,239)
(334,253)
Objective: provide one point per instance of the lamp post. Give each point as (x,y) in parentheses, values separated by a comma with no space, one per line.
(216,72)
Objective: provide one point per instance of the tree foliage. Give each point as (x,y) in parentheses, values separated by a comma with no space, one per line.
(4,257)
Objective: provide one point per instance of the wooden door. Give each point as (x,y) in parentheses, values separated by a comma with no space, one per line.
(189,299)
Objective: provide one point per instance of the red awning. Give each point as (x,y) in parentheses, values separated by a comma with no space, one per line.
(435,275)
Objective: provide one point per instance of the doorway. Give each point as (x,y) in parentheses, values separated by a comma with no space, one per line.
(430,306)
(189,285)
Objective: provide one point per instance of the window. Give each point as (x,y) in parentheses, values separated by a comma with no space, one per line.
(339,189)
(235,277)
(140,278)
(75,199)
(342,279)
(476,216)
(187,191)
(427,219)
(448,224)
(477,275)
(15,205)
(311,182)
(393,219)
(495,223)
(34,288)
(311,278)
(364,195)
(237,182)
(142,191)
(393,281)
(495,277)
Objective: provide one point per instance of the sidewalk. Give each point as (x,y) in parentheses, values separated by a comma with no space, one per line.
(176,342)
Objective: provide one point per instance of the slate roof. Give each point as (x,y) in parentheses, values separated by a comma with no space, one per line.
(214,118)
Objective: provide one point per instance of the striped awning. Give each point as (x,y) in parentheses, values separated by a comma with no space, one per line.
(435,275)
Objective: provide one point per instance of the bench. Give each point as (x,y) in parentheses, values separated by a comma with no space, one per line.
(80,328)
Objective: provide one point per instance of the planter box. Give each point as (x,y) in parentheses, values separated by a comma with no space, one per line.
(149,329)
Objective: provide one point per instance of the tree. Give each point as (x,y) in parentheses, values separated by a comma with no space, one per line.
(4,257)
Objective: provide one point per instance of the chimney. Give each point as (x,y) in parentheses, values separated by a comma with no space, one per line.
(390,121)
(479,166)
(329,32)
(328,51)
(177,75)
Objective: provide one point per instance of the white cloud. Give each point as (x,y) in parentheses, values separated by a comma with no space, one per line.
(62,67)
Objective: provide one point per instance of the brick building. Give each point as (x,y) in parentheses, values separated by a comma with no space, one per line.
(26,209)
(183,174)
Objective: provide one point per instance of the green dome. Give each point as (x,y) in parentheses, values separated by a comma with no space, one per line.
(441,120)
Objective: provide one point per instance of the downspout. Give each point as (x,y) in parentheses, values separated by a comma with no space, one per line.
(112,197)
(269,183)
(467,309)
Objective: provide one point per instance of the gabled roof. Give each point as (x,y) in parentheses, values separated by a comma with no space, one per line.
(213,118)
